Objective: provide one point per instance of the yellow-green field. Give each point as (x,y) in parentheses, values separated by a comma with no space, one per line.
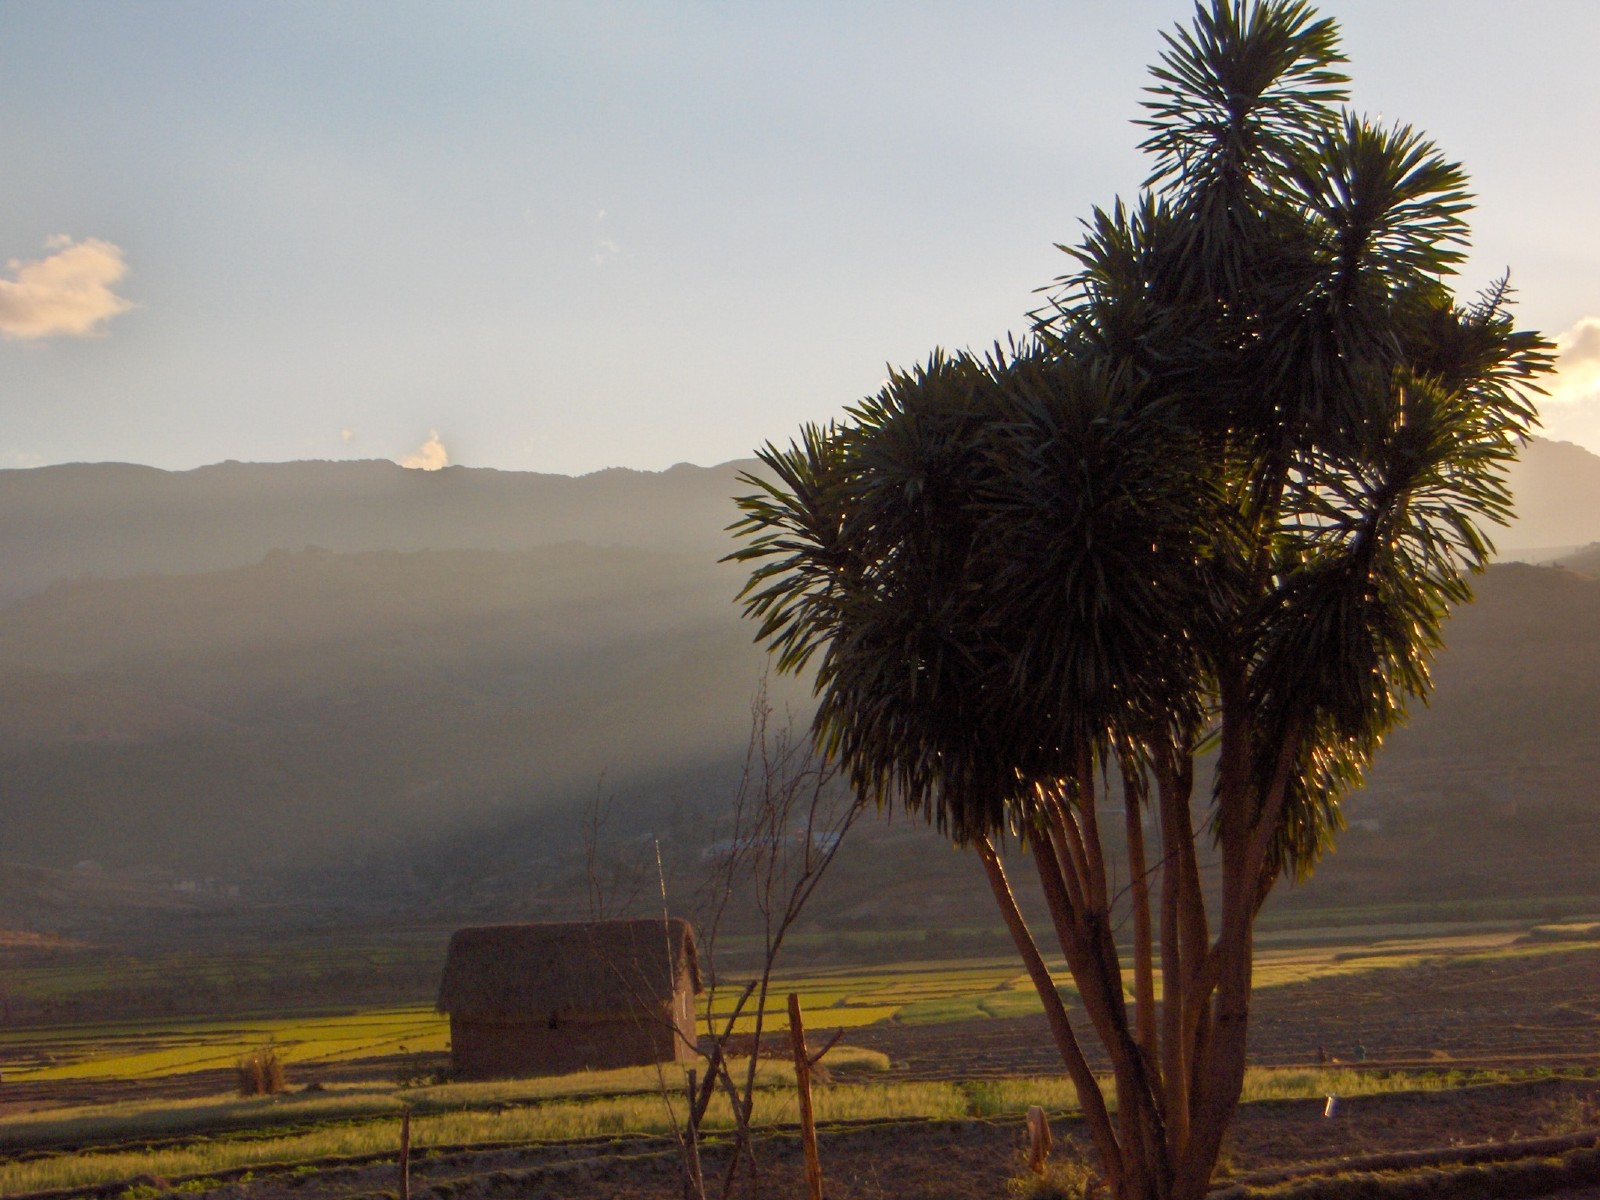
(195,1138)
(141,1050)
(845,998)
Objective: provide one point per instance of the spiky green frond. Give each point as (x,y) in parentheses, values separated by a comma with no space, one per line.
(1238,94)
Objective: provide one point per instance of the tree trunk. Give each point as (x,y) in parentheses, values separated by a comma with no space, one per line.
(1089,1097)
(1144,986)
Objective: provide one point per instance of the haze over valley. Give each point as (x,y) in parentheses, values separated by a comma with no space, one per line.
(410,684)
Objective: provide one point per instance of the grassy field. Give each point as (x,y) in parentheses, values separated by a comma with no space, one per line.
(145,1049)
(197,1138)
(256,970)
(178,1139)
(842,998)
(144,1120)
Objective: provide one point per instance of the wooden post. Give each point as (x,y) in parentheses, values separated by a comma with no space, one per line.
(405,1154)
(694,1186)
(1039,1141)
(802,1078)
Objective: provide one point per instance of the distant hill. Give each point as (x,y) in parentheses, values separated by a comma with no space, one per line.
(1515,719)
(448,712)
(1557,490)
(1488,794)
(248,671)
(1584,562)
(316,703)
(113,519)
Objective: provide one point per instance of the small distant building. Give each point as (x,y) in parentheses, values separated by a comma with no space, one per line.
(768,844)
(547,999)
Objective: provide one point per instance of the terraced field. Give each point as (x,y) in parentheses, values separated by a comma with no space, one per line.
(1519,1007)
(1495,995)
(964,1045)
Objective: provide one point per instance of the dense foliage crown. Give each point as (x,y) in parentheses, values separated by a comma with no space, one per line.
(1239,469)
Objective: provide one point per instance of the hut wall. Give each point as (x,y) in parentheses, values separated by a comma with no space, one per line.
(484,1049)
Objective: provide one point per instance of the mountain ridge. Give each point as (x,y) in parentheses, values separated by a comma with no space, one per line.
(120,519)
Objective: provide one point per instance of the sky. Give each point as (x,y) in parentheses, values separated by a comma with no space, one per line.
(561,237)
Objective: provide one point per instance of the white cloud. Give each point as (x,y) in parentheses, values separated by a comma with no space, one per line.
(1570,409)
(429,456)
(605,247)
(1577,373)
(67,292)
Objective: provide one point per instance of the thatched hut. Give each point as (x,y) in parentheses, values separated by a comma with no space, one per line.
(552,998)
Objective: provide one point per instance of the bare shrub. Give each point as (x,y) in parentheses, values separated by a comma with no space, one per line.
(260,1072)
(1064,1178)
(786,822)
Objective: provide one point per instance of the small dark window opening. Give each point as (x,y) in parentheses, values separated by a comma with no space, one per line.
(555,1020)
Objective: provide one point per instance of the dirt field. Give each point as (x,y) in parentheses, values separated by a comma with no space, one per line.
(952,1160)
(1508,1011)
(1517,1011)
(1537,1010)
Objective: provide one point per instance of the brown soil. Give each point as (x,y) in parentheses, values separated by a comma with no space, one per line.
(1527,1011)
(952,1160)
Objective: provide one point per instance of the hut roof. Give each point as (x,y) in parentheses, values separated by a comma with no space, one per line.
(511,971)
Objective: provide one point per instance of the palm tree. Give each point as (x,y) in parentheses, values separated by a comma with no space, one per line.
(1224,495)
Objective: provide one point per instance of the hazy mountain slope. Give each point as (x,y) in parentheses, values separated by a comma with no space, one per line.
(43,707)
(1490,793)
(316,702)
(1520,679)
(1584,562)
(113,519)
(319,706)
(433,710)
(1557,490)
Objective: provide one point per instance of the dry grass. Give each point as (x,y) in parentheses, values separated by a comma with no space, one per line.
(1064,1178)
(260,1072)
(365,1121)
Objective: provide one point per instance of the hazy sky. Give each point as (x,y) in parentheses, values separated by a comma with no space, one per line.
(564,236)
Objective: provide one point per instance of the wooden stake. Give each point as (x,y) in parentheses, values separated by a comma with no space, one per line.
(694,1185)
(405,1154)
(802,1076)
(1039,1141)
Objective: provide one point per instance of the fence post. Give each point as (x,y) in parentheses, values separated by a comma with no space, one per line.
(1039,1140)
(694,1184)
(802,1077)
